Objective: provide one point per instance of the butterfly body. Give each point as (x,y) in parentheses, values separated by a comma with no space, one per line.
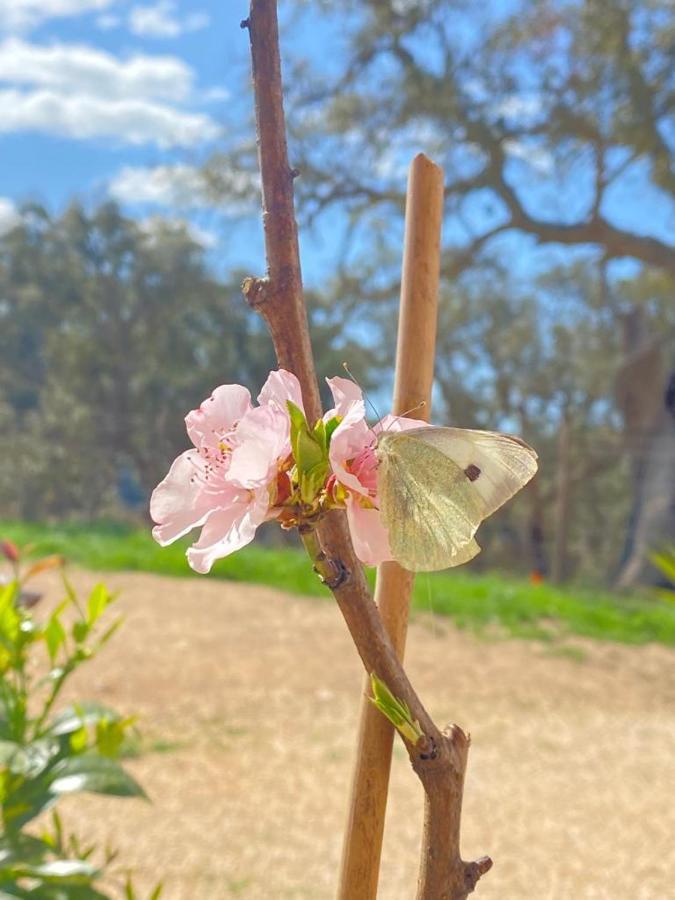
(436,485)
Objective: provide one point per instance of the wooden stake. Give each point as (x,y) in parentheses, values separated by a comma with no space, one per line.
(413,382)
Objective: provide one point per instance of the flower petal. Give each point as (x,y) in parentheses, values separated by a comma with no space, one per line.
(180,502)
(218,415)
(280,387)
(228,530)
(345,395)
(398,423)
(263,437)
(352,436)
(369,536)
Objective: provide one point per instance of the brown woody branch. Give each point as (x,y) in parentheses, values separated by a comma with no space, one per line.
(440,759)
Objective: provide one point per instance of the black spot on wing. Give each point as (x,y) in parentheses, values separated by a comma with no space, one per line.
(472,472)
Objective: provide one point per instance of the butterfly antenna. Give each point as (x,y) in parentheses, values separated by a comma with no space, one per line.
(420,405)
(365,395)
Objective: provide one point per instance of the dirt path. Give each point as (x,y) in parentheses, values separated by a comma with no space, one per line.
(570,785)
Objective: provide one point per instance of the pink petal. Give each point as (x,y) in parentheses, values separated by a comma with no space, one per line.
(181,502)
(369,536)
(228,530)
(349,440)
(263,437)
(398,423)
(280,387)
(218,415)
(345,395)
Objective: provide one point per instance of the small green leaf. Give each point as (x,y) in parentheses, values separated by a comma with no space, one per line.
(665,563)
(78,740)
(331,425)
(74,717)
(308,452)
(98,600)
(397,711)
(80,631)
(110,736)
(54,635)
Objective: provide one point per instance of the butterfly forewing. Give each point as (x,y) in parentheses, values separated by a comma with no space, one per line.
(427,504)
(436,485)
(498,465)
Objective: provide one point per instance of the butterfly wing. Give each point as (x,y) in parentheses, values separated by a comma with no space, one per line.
(436,485)
(427,504)
(497,465)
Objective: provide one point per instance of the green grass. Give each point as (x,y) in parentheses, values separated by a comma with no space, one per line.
(493,604)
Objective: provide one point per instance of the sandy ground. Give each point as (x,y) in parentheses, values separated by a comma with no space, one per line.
(571,773)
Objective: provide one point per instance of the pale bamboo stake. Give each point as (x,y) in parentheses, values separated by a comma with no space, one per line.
(413,381)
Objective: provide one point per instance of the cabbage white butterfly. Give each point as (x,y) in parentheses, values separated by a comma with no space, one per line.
(436,485)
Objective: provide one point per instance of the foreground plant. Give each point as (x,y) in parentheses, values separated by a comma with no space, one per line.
(47,754)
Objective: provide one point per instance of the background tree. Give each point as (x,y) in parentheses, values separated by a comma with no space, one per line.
(551,120)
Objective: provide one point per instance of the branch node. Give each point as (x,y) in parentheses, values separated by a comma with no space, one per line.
(341,573)
(256,291)
(245,23)
(474,870)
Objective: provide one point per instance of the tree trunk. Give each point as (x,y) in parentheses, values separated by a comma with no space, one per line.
(646,398)
(652,520)
(562,507)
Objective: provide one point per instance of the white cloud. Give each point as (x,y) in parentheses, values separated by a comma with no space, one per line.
(176,185)
(19,15)
(85,70)
(234,193)
(83,117)
(161,21)
(77,91)
(9,215)
(154,226)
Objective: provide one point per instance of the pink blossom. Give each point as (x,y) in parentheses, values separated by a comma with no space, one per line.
(224,483)
(354,463)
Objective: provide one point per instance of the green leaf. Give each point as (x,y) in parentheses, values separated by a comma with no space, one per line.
(10,618)
(30,759)
(21,848)
(74,717)
(98,600)
(80,631)
(98,774)
(110,735)
(665,563)
(397,711)
(310,454)
(54,635)
(331,425)
(62,871)
(78,740)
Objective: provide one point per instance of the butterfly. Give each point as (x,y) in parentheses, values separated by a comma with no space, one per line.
(436,485)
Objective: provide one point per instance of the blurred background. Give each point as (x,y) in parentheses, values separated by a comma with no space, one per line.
(129,214)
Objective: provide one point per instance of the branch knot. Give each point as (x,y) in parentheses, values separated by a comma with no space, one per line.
(257,291)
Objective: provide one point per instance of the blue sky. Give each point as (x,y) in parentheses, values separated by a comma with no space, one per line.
(118,98)
(127,98)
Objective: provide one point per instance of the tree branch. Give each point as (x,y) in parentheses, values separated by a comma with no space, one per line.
(440,759)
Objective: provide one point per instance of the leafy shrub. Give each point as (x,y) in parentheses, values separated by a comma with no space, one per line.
(45,754)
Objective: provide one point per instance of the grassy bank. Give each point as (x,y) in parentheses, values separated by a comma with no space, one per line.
(493,604)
